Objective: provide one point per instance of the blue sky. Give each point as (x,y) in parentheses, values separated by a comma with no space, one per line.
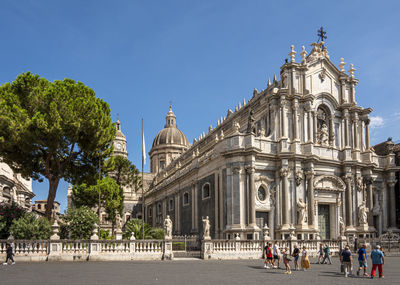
(203,56)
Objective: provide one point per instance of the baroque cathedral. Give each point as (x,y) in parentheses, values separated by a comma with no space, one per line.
(294,160)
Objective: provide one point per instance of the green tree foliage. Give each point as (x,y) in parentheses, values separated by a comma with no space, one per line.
(111,197)
(80,222)
(123,171)
(53,130)
(31,227)
(9,213)
(135,226)
(105,235)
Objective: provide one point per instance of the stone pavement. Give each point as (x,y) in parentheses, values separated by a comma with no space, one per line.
(182,272)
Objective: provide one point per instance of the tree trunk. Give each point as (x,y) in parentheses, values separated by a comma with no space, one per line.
(53,185)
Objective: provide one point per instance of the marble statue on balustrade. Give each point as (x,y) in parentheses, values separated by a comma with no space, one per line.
(168,228)
(206,228)
(301,209)
(362,214)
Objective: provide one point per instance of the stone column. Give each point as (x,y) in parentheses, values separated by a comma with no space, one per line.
(392,203)
(285,197)
(295,121)
(315,128)
(370,199)
(346,130)
(331,131)
(283,118)
(311,201)
(349,201)
(355,132)
(367,134)
(362,141)
(310,138)
(252,197)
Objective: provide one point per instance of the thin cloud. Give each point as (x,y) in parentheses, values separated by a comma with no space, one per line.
(376,122)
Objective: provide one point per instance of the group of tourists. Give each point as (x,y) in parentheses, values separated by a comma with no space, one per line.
(273,257)
(377,256)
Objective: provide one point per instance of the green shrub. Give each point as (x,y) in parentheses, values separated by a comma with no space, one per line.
(31,227)
(80,222)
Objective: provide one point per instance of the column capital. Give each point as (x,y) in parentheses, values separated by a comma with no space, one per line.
(391,183)
(237,170)
(284,171)
(368,180)
(367,121)
(309,173)
(250,169)
(348,178)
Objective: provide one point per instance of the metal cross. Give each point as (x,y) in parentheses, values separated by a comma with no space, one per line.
(321,34)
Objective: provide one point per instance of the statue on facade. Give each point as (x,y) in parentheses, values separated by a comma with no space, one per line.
(206,228)
(250,123)
(236,127)
(301,208)
(360,185)
(324,135)
(168,228)
(362,214)
(341,226)
(118,222)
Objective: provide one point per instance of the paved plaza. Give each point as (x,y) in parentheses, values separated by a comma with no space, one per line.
(181,272)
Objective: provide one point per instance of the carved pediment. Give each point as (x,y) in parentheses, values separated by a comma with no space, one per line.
(329,183)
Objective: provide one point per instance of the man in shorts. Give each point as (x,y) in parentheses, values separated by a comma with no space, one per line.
(362,260)
(268,256)
(275,252)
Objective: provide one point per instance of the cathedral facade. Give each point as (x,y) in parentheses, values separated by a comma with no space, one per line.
(293,160)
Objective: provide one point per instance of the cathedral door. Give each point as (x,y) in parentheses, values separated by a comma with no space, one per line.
(324,221)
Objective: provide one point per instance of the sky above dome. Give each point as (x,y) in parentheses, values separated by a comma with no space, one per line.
(203,57)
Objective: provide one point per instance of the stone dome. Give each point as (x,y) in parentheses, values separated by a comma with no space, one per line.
(170,134)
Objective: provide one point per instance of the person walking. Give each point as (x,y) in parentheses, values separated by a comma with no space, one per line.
(327,254)
(286,260)
(305,262)
(321,253)
(296,255)
(268,256)
(362,260)
(10,254)
(347,260)
(276,254)
(378,260)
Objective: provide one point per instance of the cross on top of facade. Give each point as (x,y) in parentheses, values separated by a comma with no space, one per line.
(321,34)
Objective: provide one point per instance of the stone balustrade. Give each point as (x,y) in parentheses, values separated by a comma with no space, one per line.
(103,250)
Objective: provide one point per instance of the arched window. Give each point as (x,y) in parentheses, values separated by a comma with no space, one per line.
(185,199)
(206,191)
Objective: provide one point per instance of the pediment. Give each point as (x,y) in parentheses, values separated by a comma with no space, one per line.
(329,183)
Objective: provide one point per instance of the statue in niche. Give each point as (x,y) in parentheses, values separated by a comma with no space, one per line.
(250,123)
(362,214)
(236,127)
(324,135)
(168,228)
(301,208)
(206,228)
(341,226)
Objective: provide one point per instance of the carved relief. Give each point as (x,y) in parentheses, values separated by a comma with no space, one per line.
(329,183)
(299,177)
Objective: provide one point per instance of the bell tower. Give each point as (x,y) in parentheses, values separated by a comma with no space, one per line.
(120,142)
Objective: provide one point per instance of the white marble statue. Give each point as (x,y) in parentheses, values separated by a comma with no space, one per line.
(341,226)
(206,228)
(168,228)
(301,208)
(324,135)
(362,214)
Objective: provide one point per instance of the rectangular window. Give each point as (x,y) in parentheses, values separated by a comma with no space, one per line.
(171,204)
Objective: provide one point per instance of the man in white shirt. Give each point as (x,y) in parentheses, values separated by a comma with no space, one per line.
(276,253)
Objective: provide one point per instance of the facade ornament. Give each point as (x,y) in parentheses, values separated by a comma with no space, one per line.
(351,70)
(275,78)
(342,64)
(229,112)
(118,222)
(269,82)
(250,169)
(341,226)
(236,127)
(168,228)
(292,54)
(250,123)
(301,208)
(210,129)
(309,173)
(322,74)
(299,177)
(303,55)
(206,229)
(284,171)
(324,135)
(360,184)
(362,214)
(261,132)
(221,136)
(255,93)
